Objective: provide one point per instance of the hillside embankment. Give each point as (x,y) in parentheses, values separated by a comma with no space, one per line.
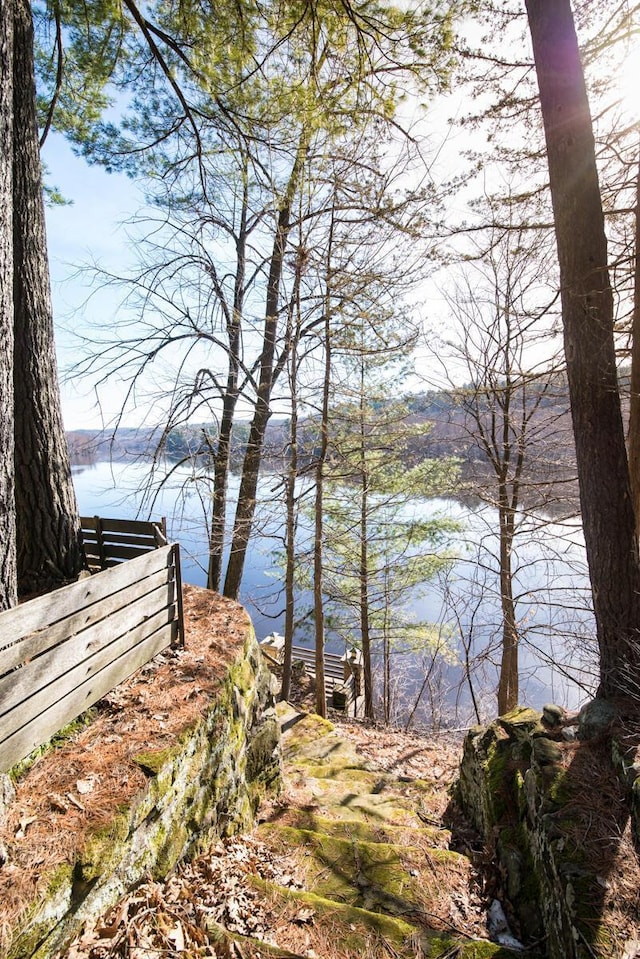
(177,823)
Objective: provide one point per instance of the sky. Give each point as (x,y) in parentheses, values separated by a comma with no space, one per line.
(91,229)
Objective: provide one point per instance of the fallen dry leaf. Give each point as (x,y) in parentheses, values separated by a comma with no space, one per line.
(85,786)
(58,802)
(177,937)
(75,802)
(24,824)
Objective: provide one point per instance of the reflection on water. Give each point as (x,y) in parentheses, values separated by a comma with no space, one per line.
(557,646)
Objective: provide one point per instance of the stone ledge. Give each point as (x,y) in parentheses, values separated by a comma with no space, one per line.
(535,798)
(205,785)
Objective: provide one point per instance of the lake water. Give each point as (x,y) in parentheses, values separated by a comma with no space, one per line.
(557,647)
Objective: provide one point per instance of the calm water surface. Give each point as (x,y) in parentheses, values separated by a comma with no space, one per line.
(557,650)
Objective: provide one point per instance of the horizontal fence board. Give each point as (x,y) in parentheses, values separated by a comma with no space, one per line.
(333,665)
(81,655)
(108,542)
(120,539)
(123,539)
(43,726)
(38,643)
(66,682)
(120,553)
(302,652)
(119,525)
(44,610)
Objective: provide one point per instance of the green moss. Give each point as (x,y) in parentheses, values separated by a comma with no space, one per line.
(28,941)
(496,778)
(374,875)
(307,730)
(346,770)
(396,930)
(368,831)
(557,784)
(342,802)
(357,932)
(32,930)
(515,835)
(519,717)
(243,675)
(102,848)
(221,936)
(260,752)
(485,950)
(154,761)
(171,845)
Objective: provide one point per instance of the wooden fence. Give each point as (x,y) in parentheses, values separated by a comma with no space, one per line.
(342,674)
(334,668)
(108,542)
(60,653)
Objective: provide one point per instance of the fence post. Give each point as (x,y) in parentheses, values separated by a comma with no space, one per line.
(354,662)
(178,586)
(100,542)
(160,532)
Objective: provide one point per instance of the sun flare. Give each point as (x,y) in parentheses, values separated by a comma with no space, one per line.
(629,83)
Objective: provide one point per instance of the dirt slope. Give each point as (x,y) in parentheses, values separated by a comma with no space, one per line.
(352,860)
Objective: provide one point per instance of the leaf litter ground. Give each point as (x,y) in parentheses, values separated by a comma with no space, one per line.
(232,888)
(204,904)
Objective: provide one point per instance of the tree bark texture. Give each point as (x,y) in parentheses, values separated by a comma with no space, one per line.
(221,467)
(318,525)
(365,631)
(291,512)
(587,311)
(634,402)
(246,506)
(508,685)
(47,524)
(8,582)
(222,459)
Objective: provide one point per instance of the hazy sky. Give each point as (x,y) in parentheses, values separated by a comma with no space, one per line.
(90,230)
(93,230)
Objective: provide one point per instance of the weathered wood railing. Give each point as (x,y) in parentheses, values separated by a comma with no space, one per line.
(343,674)
(60,653)
(108,542)
(334,668)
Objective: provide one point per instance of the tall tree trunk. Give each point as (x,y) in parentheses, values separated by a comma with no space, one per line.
(587,313)
(246,506)
(365,624)
(508,682)
(222,457)
(293,335)
(318,551)
(290,544)
(8,583)
(634,403)
(318,558)
(47,523)
(222,464)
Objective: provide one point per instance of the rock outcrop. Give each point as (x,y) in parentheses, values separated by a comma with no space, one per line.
(205,784)
(558,816)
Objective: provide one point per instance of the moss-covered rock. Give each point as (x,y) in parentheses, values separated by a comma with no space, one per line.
(207,785)
(524,791)
(354,932)
(381,879)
